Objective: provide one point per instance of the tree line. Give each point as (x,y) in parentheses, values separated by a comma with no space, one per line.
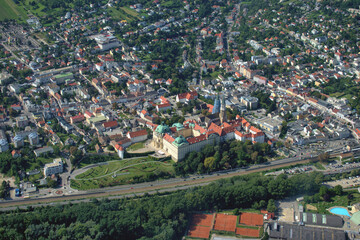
(151,217)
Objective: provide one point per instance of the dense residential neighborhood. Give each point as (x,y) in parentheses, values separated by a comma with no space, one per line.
(99,94)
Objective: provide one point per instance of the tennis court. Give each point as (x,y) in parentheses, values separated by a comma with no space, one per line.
(202,220)
(251,219)
(199,232)
(224,222)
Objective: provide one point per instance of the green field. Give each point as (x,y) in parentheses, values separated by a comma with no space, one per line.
(9,10)
(123,13)
(44,36)
(136,146)
(122,172)
(38,9)
(130,12)
(337,94)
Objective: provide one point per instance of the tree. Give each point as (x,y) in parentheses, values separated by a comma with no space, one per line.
(209,163)
(283,130)
(4,189)
(271,207)
(51,183)
(324,157)
(338,190)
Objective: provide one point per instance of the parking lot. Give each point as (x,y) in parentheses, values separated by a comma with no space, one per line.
(345,183)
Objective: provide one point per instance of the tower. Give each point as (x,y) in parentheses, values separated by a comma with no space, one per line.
(222,114)
(216,107)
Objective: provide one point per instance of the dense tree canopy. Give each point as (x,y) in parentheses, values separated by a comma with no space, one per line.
(225,155)
(150,217)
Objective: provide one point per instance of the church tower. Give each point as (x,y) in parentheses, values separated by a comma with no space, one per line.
(216,108)
(222,114)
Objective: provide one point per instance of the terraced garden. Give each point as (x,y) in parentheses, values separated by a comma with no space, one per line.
(123,172)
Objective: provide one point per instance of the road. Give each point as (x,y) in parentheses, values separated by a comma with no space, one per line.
(13,54)
(168,185)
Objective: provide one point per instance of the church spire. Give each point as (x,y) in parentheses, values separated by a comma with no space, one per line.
(222,114)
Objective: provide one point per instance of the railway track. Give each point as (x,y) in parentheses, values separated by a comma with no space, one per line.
(101,193)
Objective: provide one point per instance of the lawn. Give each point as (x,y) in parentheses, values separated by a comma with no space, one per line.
(336,201)
(123,13)
(9,10)
(131,12)
(122,172)
(123,116)
(337,94)
(214,74)
(95,158)
(63,137)
(136,146)
(117,14)
(44,37)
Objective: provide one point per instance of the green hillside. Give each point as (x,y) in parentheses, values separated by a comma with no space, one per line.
(9,10)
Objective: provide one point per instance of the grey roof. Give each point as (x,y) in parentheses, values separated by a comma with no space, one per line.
(321,220)
(297,232)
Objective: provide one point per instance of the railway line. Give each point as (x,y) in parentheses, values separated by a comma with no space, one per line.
(163,186)
(149,187)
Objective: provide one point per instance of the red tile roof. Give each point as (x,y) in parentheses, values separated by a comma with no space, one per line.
(199,128)
(193,140)
(215,128)
(110,124)
(137,133)
(164,105)
(239,133)
(77,118)
(88,113)
(188,95)
(168,138)
(119,147)
(125,140)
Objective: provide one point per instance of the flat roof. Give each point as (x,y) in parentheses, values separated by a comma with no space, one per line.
(294,231)
(356,218)
(97,119)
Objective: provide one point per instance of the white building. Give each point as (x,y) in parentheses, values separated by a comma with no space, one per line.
(18,141)
(120,150)
(107,42)
(54,168)
(137,136)
(33,138)
(43,150)
(4,146)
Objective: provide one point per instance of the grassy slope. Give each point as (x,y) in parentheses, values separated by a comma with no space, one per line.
(9,10)
(123,14)
(123,177)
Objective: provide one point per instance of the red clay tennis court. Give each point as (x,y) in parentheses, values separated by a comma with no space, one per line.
(199,232)
(202,219)
(248,232)
(251,219)
(225,222)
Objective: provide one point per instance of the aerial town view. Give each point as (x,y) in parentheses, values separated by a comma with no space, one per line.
(193,119)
